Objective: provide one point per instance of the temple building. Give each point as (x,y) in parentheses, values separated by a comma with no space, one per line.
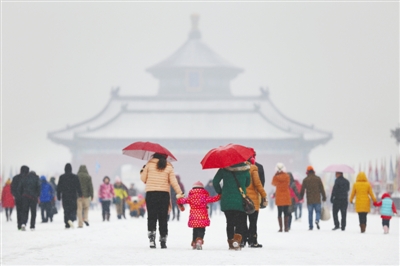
(193,112)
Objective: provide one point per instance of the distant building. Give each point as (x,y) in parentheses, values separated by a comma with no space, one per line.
(193,112)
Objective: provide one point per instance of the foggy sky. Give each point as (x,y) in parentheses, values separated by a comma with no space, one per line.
(332,65)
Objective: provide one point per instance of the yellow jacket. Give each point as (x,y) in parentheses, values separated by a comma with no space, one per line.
(363,192)
(135,206)
(120,192)
(255,189)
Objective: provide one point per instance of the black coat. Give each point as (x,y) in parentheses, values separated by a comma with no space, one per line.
(69,187)
(30,186)
(261,173)
(17,180)
(340,189)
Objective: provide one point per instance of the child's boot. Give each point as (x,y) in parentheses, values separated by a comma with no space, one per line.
(193,244)
(230,242)
(199,243)
(385,229)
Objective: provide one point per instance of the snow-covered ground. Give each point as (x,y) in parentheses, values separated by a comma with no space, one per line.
(122,242)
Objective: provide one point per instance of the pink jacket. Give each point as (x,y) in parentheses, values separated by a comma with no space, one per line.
(106,191)
(198,199)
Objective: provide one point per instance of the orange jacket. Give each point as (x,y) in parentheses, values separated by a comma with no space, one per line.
(255,189)
(281,181)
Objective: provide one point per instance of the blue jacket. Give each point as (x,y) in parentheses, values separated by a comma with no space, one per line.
(386,208)
(46,192)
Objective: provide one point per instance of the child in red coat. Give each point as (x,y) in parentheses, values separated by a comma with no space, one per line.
(388,209)
(7,200)
(198,199)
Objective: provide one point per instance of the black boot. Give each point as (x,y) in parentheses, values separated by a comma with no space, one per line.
(108,216)
(255,243)
(152,238)
(163,241)
(104,217)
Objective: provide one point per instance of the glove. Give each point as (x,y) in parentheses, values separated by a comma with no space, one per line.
(375,204)
(264,203)
(181,207)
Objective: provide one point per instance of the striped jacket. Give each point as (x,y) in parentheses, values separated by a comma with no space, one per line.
(157,180)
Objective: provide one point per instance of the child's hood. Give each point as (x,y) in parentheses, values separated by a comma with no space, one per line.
(385,195)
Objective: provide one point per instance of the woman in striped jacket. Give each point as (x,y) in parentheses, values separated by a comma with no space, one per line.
(158,175)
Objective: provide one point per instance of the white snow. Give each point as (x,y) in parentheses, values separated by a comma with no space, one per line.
(123,242)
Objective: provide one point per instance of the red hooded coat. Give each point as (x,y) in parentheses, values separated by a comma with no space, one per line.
(7,199)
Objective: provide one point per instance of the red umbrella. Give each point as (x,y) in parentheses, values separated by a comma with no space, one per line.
(145,150)
(225,156)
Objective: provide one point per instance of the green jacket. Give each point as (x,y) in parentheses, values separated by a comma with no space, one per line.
(231,199)
(86,182)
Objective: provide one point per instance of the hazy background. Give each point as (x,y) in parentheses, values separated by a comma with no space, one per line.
(333,65)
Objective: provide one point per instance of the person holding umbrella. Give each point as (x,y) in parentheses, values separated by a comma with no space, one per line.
(158,175)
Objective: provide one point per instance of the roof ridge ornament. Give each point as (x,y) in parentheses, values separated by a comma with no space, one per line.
(195,33)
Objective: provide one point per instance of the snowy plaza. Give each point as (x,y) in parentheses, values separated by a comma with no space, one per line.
(125,242)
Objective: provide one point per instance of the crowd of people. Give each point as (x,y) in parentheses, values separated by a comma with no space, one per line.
(164,193)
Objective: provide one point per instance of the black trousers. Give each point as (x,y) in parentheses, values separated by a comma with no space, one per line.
(386,222)
(19,208)
(253,218)
(157,203)
(105,207)
(70,207)
(8,213)
(235,223)
(199,232)
(362,217)
(340,205)
(284,210)
(45,210)
(29,204)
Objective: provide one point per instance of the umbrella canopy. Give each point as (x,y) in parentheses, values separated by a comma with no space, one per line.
(339,168)
(225,156)
(145,151)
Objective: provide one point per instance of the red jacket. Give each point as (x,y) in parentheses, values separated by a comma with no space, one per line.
(7,198)
(198,199)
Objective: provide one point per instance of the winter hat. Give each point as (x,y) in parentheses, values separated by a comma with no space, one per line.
(309,169)
(198,184)
(43,178)
(117,179)
(280,167)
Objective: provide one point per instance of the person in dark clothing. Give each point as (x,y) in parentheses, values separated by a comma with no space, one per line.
(68,190)
(53,185)
(14,191)
(294,195)
(339,200)
(260,172)
(210,189)
(46,196)
(175,208)
(29,191)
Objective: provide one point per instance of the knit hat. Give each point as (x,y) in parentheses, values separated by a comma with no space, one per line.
(309,169)
(198,184)
(280,167)
(117,179)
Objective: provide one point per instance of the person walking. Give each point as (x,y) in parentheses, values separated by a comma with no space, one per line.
(120,196)
(158,175)
(388,209)
(14,190)
(339,200)
(363,193)
(54,203)
(46,196)
(257,194)
(312,185)
(132,191)
(7,200)
(83,203)
(198,199)
(281,181)
(294,197)
(106,195)
(175,208)
(68,190)
(299,202)
(29,191)
(232,201)
(211,191)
